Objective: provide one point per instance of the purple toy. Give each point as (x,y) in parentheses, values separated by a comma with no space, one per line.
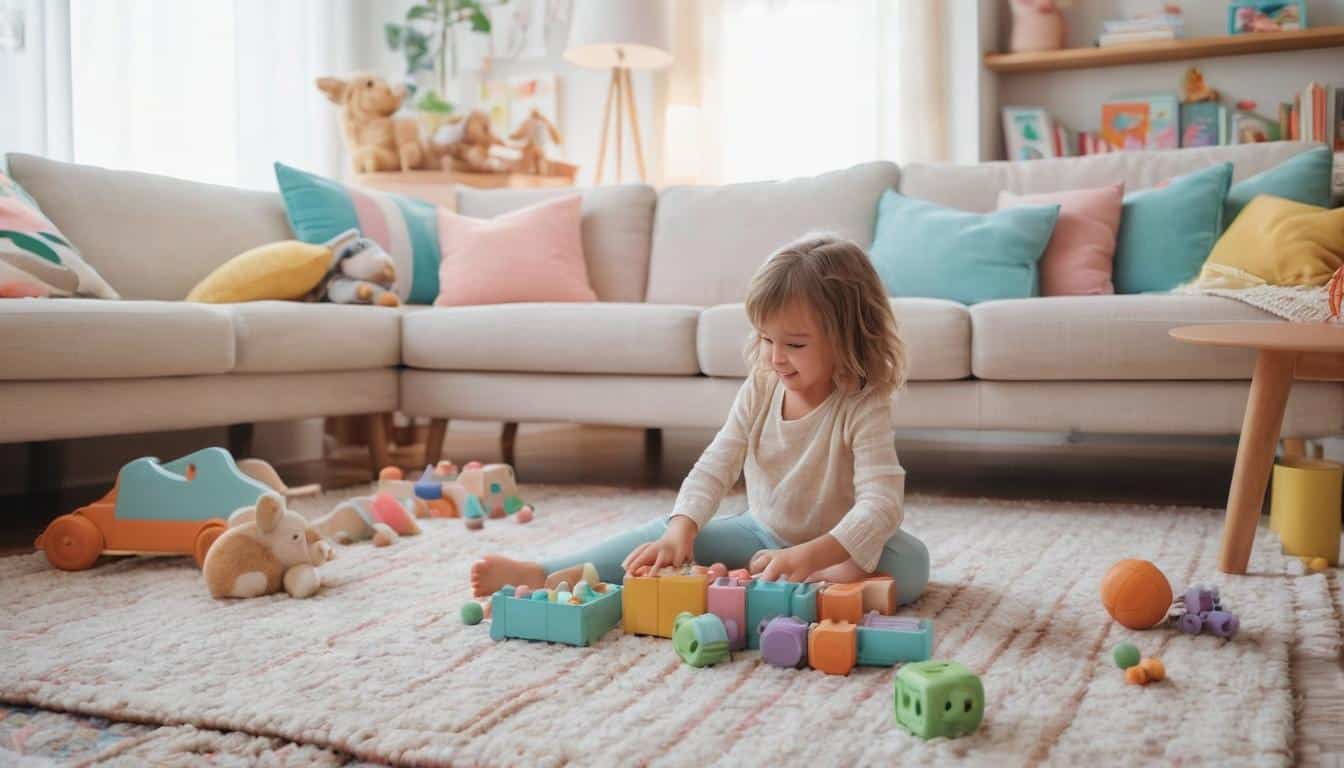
(1200,609)
(784,641)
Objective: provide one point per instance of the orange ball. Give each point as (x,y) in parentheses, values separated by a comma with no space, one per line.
(1136,676)
(1136,594)
(1155,669)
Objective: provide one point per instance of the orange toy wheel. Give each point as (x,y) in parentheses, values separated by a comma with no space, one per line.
(72,542)
(204,539)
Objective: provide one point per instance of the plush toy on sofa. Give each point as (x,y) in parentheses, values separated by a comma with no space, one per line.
(375,139)
(265,549)
(361,272)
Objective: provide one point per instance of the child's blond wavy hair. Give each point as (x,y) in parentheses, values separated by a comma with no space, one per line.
(835,278)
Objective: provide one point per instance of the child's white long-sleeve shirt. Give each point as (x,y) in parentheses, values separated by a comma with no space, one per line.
(832,471)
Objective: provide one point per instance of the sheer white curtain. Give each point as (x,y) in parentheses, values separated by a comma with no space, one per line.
(799,87)
(210,91)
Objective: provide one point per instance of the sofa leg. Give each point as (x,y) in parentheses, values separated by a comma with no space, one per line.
(240,440)
(507,437)
(46,466)
(378,453)
(653,445)
(438,429)
(1294,447)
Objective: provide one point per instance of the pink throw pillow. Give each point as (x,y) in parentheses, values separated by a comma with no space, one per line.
(1080,257)
(532,254)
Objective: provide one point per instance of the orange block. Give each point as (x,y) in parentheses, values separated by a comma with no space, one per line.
(879,594)
(841,602)
(833,647)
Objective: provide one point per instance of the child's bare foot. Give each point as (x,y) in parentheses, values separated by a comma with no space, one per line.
(842,573)
(494,571)
(571,574)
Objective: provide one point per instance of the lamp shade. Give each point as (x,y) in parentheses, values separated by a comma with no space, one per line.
(619,33)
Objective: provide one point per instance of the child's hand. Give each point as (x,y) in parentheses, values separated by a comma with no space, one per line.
(673,548)
(793,564)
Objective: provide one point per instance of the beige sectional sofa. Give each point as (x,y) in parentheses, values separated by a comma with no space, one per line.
(662,348)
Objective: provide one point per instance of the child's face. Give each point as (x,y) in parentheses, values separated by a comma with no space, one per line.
(794,345)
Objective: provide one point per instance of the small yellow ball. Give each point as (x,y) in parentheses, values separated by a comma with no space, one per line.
(1317,564)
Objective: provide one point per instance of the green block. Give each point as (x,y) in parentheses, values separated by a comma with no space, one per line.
(939,698)
(700,641)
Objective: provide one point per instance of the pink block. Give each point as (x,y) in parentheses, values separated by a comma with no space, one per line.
(727,599)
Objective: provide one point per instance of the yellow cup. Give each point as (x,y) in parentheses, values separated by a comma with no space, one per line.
(1304,507)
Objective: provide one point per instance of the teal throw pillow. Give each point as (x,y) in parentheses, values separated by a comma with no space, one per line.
(1304,179)
(408,229)
(924,249)
(1167,232)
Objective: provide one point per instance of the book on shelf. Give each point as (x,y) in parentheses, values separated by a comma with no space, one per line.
(1203,124)
(1248,128)
(1029,133)
(1142,121)
(1112,39)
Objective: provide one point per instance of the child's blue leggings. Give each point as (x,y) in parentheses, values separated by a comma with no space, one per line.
(733,540)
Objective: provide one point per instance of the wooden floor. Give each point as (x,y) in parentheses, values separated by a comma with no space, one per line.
(1151,472)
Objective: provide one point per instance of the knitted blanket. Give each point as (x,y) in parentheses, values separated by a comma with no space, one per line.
(1296,303)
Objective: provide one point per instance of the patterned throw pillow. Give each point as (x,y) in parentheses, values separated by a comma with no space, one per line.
(33,253)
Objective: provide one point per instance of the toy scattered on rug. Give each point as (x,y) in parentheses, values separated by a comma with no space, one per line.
(266,548)
(174,508)
(380,517)
(580,616)
(1316,564)
(261,471)
(939,699)
(1136,594)
(360,272)
(1138,671)
(1200,609)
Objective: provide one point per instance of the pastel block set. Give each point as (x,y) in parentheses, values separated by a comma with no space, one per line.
(555,616)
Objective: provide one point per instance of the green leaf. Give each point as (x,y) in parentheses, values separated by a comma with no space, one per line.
(479,21)
(431,102)
(393,35)
(421,12)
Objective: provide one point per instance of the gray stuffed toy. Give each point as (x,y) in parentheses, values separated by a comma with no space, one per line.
(361,272)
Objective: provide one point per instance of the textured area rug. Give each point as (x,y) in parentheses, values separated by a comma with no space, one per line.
(379,667)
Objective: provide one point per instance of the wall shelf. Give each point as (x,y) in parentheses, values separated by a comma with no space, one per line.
(1166,50)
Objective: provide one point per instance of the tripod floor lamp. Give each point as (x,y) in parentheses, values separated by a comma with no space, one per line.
(619,35)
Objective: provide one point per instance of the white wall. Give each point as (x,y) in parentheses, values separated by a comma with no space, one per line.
(1075,96)
(23,128)
(580,92)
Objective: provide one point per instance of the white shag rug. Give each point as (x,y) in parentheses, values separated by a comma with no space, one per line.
(378,665)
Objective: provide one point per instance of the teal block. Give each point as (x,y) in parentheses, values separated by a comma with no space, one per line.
(149,490)
(893,641)
(527,619)
(803,604)
(764,600)
(939,698)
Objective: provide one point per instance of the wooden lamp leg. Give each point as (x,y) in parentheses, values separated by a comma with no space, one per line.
(606,119)
(1255,454)
(634,121)
(620,120)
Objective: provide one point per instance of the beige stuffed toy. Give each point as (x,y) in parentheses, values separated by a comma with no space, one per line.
(266,548)
(375,140)
(469,148)
(536,133)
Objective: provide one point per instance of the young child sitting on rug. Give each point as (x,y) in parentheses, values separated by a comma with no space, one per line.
(812,426)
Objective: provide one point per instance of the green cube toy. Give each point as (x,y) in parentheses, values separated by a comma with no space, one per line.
(939,698)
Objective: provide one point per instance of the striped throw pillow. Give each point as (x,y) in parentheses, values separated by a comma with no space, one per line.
(320,209)
(34,253)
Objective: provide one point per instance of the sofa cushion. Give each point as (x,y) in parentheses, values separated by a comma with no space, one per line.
(554,338)
(617,229)
(292,337)
(937,336)
(708,241)
(152,237)
(94,339)
(977,187)
(1105,337)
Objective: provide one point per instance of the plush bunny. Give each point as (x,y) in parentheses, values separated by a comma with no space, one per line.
(361,272)
(266,548)
(375,140)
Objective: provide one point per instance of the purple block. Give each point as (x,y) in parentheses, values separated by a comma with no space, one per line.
(1200,599)
(1221,623)
(1190,623)
(784,641)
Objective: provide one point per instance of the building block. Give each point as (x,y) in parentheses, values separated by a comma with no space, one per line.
(784,642)
(841,602)
(832,647)
(701,641)
(803,604)
(766,599)
(677,594)
(879,594)
(639,605)
(888,640)
(938,698)
(727,599)
(556,622)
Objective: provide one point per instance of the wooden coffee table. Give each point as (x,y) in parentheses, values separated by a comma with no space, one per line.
(1287,351)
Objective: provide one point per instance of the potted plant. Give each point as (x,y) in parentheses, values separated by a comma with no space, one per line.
(427,40)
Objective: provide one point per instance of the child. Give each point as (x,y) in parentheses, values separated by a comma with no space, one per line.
(811,426)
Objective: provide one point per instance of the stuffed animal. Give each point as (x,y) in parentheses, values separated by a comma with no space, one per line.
(1194,88)
(361,272)
(379,517)
(265,549)
(375,140)
(469,150)
(535,132)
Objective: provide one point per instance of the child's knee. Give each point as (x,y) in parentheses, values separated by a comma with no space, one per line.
(910,567)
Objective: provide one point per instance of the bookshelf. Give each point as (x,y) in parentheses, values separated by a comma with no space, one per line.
(1166,50)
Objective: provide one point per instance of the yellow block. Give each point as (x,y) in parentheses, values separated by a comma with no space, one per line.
(639,605)
(1304,507)
(677,594)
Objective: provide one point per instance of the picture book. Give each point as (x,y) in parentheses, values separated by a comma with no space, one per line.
(1028,133)
(1124,124)
(1203,124)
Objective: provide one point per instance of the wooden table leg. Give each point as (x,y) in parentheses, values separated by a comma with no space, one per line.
(1255,455)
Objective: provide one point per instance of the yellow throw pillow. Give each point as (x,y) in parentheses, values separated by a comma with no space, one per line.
(1277,242)
(284,270)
